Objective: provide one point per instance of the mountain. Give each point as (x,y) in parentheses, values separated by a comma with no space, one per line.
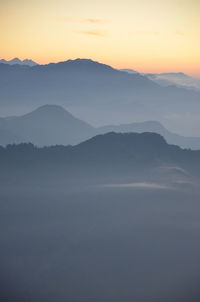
(124,147)
(179,79)
(47,125)
(129,71)
(53,125)
(115,155)
(96,92)
(110,147)
(157,127)
(19,62)
(175,78)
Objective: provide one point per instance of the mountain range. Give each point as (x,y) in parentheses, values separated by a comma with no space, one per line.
(53,125)
(19,62)
(96,92)
(91,212)
(179,79)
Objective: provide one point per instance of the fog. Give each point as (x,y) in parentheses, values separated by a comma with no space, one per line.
(97,214)
(99,243)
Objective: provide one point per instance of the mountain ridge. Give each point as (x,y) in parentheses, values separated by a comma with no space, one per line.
(17,61)
(125,150)
(52,124)
(60,80)
(89,87)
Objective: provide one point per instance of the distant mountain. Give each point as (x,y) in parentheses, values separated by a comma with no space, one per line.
(157,127)
(129,71)
(47,125)
(19,62)
(179,79)
(95,91)
(175,78)
(53,125)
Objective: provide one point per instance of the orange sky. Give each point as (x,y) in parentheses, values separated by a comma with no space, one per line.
(146,35)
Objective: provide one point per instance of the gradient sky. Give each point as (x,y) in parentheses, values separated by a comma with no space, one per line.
(146,35)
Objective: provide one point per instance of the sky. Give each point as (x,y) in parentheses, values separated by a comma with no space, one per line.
(145,35)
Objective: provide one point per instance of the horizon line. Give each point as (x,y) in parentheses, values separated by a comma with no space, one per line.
(95,60)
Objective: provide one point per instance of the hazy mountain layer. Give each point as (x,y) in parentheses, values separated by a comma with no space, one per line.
(157,127)
(52,125)
(178,79)
(47,125)
(97,91)
(19,62)
(170,78)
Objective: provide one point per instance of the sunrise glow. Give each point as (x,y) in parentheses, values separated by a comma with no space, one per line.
(146,35)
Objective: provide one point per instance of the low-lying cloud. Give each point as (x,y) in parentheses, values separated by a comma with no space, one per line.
(142,185)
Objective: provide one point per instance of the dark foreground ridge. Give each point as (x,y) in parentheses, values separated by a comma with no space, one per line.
(120,147)
(111,153)
(116,217)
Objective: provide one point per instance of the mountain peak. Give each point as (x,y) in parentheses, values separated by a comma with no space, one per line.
(15,61)
(84,64)
(84,61)
(19,62)
(50,107)
(49,110)
(113,139)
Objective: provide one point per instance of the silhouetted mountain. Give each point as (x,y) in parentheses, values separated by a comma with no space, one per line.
(19,62)
(52,125)
(111,148)
(157,127)
(126,147)
(95,90)
(105,158)
(47,125)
